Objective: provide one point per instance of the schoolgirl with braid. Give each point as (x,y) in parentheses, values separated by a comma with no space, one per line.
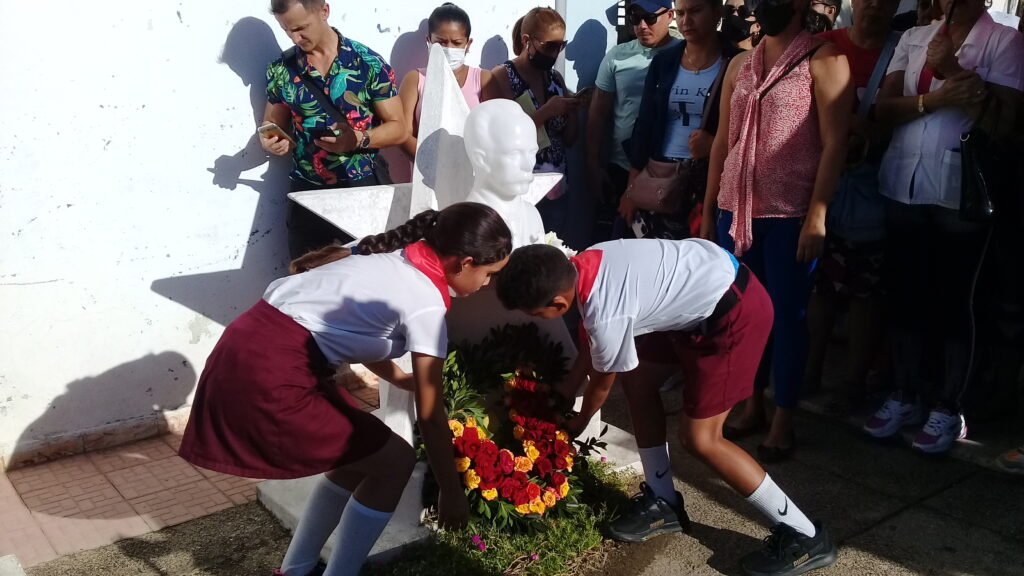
(265,408)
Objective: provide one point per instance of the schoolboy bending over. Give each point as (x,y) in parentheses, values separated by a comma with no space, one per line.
(691,303)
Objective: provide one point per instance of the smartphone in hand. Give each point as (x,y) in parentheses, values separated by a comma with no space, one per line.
(271,130)
(586,93)
(322,132)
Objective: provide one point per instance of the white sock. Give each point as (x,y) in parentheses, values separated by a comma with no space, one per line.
(358,530)
(323,510)
(773,503)
(658,472)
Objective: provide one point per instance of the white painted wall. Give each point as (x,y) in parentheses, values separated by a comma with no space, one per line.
(121,258)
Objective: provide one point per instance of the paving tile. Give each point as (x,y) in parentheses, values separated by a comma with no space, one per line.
(71,532)
(131,455)
(988,500)
(57,473)
(153,476)
(19,533)
(180,504)
(239,490)
(172,440)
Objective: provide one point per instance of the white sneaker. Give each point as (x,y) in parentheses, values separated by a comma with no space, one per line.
(892,416)
(942,429)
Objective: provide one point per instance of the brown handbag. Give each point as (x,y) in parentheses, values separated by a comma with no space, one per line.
(659,186)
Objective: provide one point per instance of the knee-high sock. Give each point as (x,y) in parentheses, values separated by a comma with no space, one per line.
(773,503)
(658,472)
(323,510)
(358,530)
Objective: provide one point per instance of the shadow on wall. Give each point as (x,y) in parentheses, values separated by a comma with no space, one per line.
(221,296)
(134,394)
(408,53)
(494,52)
(586,50)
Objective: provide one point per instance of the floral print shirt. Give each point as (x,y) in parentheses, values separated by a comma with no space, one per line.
(357,78)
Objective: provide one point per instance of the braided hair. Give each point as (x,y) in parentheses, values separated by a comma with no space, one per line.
(463,229)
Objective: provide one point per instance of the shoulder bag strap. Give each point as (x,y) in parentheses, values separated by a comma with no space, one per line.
(871,92)
(291,61)
(716,87)
(789,69)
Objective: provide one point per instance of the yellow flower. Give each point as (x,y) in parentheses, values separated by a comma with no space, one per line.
(523,464)
(563,490)
(561,435)
(568,462)
(462,464)
(531,452)
(549,498)
(456,427)
(537,506)
(518,432)
(471,480)
(470,421)
(489,494)
(523,508)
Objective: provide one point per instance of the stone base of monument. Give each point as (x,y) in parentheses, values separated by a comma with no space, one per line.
(286,499)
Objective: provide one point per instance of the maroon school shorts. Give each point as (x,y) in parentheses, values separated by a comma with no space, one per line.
(720,360)
(263,408)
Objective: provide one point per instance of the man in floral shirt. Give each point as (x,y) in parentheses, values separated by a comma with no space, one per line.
(327,153)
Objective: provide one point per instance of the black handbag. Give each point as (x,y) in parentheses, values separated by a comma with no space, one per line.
(979,172)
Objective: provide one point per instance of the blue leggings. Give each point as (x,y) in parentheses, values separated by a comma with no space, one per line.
(772,258)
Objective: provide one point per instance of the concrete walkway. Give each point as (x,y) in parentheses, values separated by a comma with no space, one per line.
(893,511)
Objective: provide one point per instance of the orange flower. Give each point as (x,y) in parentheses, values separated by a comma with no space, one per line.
(537,506)
(518,432)
(489,494)
(471,479)
(523,464)
(531,451)
(456,427)
(563,490)
(561,435)
(549,498)
(568,463)
(470,421)
(462,464)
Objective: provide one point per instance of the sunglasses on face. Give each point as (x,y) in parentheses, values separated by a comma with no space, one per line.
(551,46)
(638,16)
(740,11)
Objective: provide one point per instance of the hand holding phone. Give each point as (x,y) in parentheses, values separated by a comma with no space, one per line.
(274,139)
(587,93)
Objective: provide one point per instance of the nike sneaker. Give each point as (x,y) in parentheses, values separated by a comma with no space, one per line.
(942,428)
(649,516)
(787,552)
(892,416)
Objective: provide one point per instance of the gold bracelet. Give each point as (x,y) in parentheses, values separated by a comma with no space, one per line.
(920,104)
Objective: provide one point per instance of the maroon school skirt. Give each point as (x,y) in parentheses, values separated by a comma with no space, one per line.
(263,409)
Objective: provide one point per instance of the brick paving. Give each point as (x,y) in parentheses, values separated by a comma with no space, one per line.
(94,499)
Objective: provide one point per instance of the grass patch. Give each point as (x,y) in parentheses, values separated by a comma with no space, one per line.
(568,544)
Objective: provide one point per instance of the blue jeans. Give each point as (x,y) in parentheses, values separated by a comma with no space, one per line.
(772,258)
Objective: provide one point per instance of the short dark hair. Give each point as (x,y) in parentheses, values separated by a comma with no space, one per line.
(448,12)
(534,275)
(837,4)
(282,6)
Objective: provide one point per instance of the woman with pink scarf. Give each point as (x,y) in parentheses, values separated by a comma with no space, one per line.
(772,174)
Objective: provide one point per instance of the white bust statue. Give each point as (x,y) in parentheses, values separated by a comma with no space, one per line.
(501,141)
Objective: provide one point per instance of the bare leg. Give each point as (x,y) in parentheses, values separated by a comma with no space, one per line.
(379,479)
(646,410)
(703,439)
(780,435)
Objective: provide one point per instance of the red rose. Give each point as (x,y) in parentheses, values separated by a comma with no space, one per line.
(471,449)
(532,490)
(521,496)
(471,434)
(542,466)
(560,462)
(506,461)
(561,448)
(488,452)
(557,478)
(507,488)
(521,479)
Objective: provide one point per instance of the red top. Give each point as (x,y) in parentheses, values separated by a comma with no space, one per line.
(862,61)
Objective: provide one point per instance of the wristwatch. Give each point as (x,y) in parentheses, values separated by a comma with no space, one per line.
(365,142)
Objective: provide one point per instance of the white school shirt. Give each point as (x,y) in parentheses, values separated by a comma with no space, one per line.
(365,308)
(644,286)
(926,151)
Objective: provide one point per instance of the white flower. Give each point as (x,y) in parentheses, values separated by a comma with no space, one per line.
(552,239)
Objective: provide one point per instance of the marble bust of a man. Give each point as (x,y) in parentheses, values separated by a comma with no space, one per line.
(501,141)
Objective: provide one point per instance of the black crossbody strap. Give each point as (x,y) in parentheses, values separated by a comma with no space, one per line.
(316,88)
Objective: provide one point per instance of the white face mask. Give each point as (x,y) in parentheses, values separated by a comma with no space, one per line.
(456,56)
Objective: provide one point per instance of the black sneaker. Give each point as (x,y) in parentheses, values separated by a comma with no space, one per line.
(649,516)
(788,553)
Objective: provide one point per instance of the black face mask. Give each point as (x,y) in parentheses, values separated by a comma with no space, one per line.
(736,28)
(774,18)
(541,61)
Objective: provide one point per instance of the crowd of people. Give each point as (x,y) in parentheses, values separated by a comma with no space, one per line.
(753,171)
